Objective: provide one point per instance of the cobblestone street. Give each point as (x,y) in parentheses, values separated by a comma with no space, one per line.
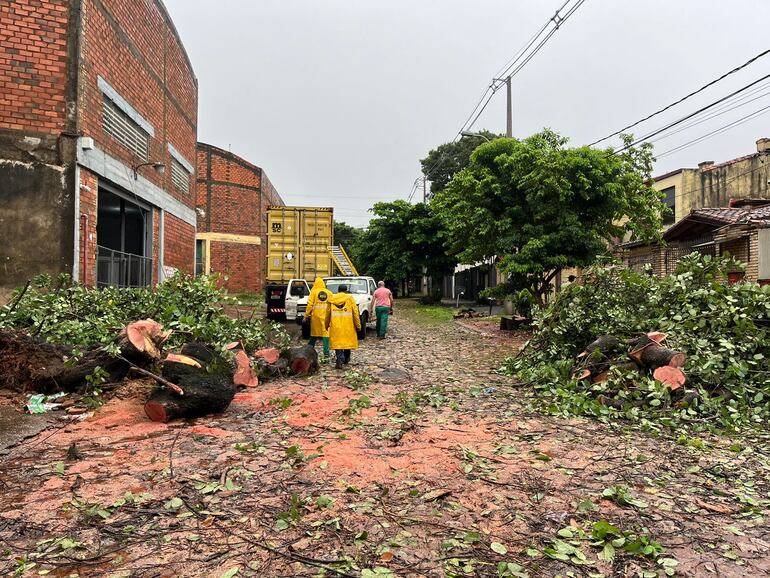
(418,460)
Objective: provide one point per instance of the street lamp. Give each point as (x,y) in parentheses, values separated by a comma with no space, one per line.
(160,168)
(477,134)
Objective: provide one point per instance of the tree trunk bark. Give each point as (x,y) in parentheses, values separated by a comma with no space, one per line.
(204,393)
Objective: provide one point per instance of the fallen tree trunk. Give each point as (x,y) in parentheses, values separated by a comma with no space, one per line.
(208,388)
(30,364)
(302,360)
(204,393)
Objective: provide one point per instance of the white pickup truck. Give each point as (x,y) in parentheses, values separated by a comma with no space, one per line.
(361,288)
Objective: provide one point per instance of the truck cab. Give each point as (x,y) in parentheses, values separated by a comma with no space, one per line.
(283,301)
(362,289)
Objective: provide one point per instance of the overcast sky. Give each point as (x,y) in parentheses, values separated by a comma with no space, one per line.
(339,99)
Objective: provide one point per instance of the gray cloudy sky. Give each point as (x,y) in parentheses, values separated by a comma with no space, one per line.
(339,99)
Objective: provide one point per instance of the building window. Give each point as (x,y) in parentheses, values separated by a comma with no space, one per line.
(200,257)
(670,201)
(179,176)
(124,242)
(128,133)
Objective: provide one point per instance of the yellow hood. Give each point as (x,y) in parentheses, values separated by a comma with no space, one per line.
(319,284)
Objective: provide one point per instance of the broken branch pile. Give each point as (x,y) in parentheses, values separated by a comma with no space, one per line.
(69,338)
(683,350)
(467,314)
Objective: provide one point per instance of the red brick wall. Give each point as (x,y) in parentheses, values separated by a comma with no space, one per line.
(89,186)
(233,197)
(235,205)
(33,64)
(179,246)
(242,264)
(133,46)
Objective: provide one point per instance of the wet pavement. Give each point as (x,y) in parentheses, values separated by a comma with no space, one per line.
(419,459)
(16,426)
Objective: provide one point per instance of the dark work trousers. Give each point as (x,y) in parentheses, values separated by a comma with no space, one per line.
(343,356)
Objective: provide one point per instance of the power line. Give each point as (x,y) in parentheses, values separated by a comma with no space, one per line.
(689,116)
(515,67)
(719,130)
(693,93)
(722,110)
(510,69)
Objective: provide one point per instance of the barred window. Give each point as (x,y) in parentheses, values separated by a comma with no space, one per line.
(179,176)
(118,124)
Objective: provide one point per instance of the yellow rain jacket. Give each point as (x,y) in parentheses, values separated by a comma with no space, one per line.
(317,304)
(343,322)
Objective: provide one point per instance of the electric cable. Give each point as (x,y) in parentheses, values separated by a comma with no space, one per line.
(690,95)
(689,116)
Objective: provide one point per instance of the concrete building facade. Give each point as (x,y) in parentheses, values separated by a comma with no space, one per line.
(715,185)
(233,196)
(98,126)
(716,209)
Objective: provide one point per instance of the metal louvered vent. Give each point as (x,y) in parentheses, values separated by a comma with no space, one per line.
(179,176)
(126,131)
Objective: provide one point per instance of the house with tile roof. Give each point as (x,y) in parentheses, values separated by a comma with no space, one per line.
(716,209)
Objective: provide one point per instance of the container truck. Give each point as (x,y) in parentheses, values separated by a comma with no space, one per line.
(300,247)
(299,243)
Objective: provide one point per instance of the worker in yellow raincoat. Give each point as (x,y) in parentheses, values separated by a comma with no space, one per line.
(343,323)
(317,305)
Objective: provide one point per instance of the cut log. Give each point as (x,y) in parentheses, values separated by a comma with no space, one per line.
(605,345)
(653,356)
(601,377)
(270,355)
(200,351)
(673,377)
(146,337)
(513,322)
(244,374)
(205,393)
(271,370)
(177,358)
(302,360)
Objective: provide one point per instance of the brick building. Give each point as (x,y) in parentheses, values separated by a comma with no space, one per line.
(98,125)
(233,197)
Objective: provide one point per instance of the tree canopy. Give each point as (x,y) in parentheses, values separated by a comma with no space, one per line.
(350,238)
(539,205)
(446,160)
(403,240)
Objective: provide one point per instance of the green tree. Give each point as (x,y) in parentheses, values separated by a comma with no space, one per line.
(404,240)
(350,238)
(540,206)
(446,160)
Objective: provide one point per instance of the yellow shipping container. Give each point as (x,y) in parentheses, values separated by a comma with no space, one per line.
(298,243)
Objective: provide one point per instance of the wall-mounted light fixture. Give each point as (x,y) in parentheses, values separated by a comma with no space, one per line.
(160,168)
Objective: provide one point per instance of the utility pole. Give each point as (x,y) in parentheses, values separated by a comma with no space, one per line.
(425,189)
(509,125)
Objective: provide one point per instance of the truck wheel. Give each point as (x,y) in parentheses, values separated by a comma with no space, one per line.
(364,321)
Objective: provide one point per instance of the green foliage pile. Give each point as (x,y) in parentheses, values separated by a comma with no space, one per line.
(724,330)
(65,312)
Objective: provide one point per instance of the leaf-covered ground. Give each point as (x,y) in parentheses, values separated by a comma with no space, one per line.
(420,460)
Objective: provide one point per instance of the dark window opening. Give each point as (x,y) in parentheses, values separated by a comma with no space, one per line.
(669,217)
(200,257)
(124,242)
